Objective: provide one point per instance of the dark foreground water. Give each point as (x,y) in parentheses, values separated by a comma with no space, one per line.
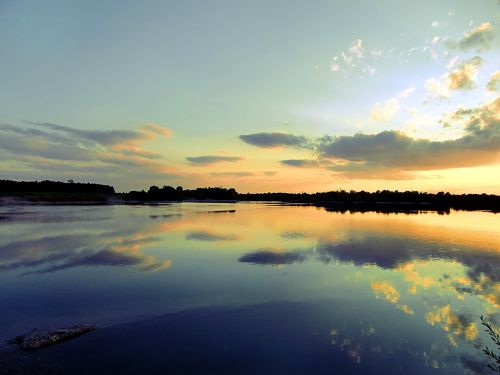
(248,288)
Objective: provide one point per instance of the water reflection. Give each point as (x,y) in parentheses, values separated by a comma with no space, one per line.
(273,257)
(411,285)
(56,253)
(204,235)
(62,248)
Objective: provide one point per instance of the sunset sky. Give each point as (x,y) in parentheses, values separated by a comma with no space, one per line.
(278,95)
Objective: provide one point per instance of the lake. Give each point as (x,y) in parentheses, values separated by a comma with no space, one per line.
(250,288)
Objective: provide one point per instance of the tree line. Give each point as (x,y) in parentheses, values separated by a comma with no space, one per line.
(46,186)
(339,199)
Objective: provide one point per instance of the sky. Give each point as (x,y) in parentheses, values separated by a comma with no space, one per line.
(257,95)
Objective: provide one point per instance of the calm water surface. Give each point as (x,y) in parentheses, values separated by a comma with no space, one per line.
(250,287)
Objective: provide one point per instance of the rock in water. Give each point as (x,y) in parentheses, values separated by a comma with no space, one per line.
(38,338)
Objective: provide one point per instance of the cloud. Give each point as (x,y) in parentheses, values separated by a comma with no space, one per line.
(232,174)
(41,147)
(334,67)
(305,163)
(103,137)
(479,38)
(438,88)
(463,77)
(15,143)
(270,140)
(211,159)
(357,48)
(452,63)
(494,82)
(479,145)
(406,92)
(270,173)
(394,154)
(353,59)
(385,111)
(157,129)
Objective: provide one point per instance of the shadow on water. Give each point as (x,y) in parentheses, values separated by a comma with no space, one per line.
(279,337)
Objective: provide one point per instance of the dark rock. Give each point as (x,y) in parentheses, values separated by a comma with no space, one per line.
(39,338)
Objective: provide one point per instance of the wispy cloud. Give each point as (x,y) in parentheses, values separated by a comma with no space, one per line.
(43,147)
(211,159)
(102,137)
(303,163)
(232,174)
(353,59)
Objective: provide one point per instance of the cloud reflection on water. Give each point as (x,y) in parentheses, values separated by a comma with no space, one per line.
(61,252)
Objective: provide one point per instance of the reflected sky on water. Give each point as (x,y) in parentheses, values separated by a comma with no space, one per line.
(361,290)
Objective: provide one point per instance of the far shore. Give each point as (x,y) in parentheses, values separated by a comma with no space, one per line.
(334,206)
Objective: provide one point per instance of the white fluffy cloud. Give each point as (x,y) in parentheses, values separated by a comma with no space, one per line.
(386,110)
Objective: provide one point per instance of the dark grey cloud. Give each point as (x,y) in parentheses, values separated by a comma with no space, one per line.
(268,140)
(209,236)
(211,159)
(304,163)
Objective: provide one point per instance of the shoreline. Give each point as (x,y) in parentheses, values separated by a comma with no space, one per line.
(334,206)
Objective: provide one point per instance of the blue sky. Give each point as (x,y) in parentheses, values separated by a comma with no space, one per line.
(212,71)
